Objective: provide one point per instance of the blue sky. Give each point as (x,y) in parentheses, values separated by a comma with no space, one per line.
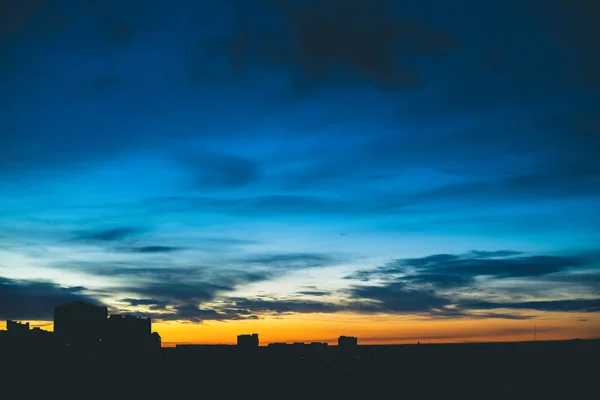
(221,160)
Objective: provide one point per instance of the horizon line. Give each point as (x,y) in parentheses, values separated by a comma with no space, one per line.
(424,342)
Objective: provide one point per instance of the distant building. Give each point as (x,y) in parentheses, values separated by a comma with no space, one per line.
(277,345)
(15,329)
(155,341)
(126,331)
(248,341)
(347,342)
(80,323)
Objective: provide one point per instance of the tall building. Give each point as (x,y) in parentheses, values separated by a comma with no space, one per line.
(80,323)
(248,341)
(86,326)
(347,342)
(16,328)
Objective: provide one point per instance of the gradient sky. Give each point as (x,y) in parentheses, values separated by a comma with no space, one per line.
(304,169)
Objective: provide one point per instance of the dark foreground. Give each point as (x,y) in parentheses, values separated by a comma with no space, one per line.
(533,370)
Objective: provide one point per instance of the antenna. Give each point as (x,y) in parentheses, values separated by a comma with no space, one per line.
(535,333)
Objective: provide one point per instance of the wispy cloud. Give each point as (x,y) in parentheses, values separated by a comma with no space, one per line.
(569,305)
(108,235)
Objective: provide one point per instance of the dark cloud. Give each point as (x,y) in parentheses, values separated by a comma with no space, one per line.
(108,235)
(154,249)
(502,316)
(314,293)
(181,291)
(397,297)
(497,253)
(25,299)
(193,313)
(284,306)
(570,305)
(525,266)
(143,302)
(437,286)
(398,267)
(131,270)
(445,269)
(177,293)
(338,42)
(586,279)
(292,260)
(441,281)
(161,282)
(425,262)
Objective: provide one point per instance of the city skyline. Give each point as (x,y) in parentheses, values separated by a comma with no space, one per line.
(92,321)
(303,169)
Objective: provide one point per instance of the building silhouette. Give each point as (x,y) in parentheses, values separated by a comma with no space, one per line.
(277,345)
(318,345)
(87,326)
(16,329)
(126,332)
(155,341)
(347,342)
(248,341)
(80,324)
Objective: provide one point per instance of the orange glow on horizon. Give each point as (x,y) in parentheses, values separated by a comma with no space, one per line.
(376,329)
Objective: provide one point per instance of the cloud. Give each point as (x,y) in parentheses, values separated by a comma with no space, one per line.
(183,293)
(446,269)
(292,260)
(492,254)
(570,305)
(34,300)
(130,270)
(107,235)
(396,297)
(525,266)
(334,42)
(193,313)
(589,279)
(441,281)
(170,283)
(447,285)
(179,291)
(314,293)
(143,302)
(259,306)
(154,249)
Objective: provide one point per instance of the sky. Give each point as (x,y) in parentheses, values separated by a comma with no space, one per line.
(304,169)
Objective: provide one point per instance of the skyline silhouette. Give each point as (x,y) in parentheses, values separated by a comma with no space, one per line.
(85,323)
(90,347)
